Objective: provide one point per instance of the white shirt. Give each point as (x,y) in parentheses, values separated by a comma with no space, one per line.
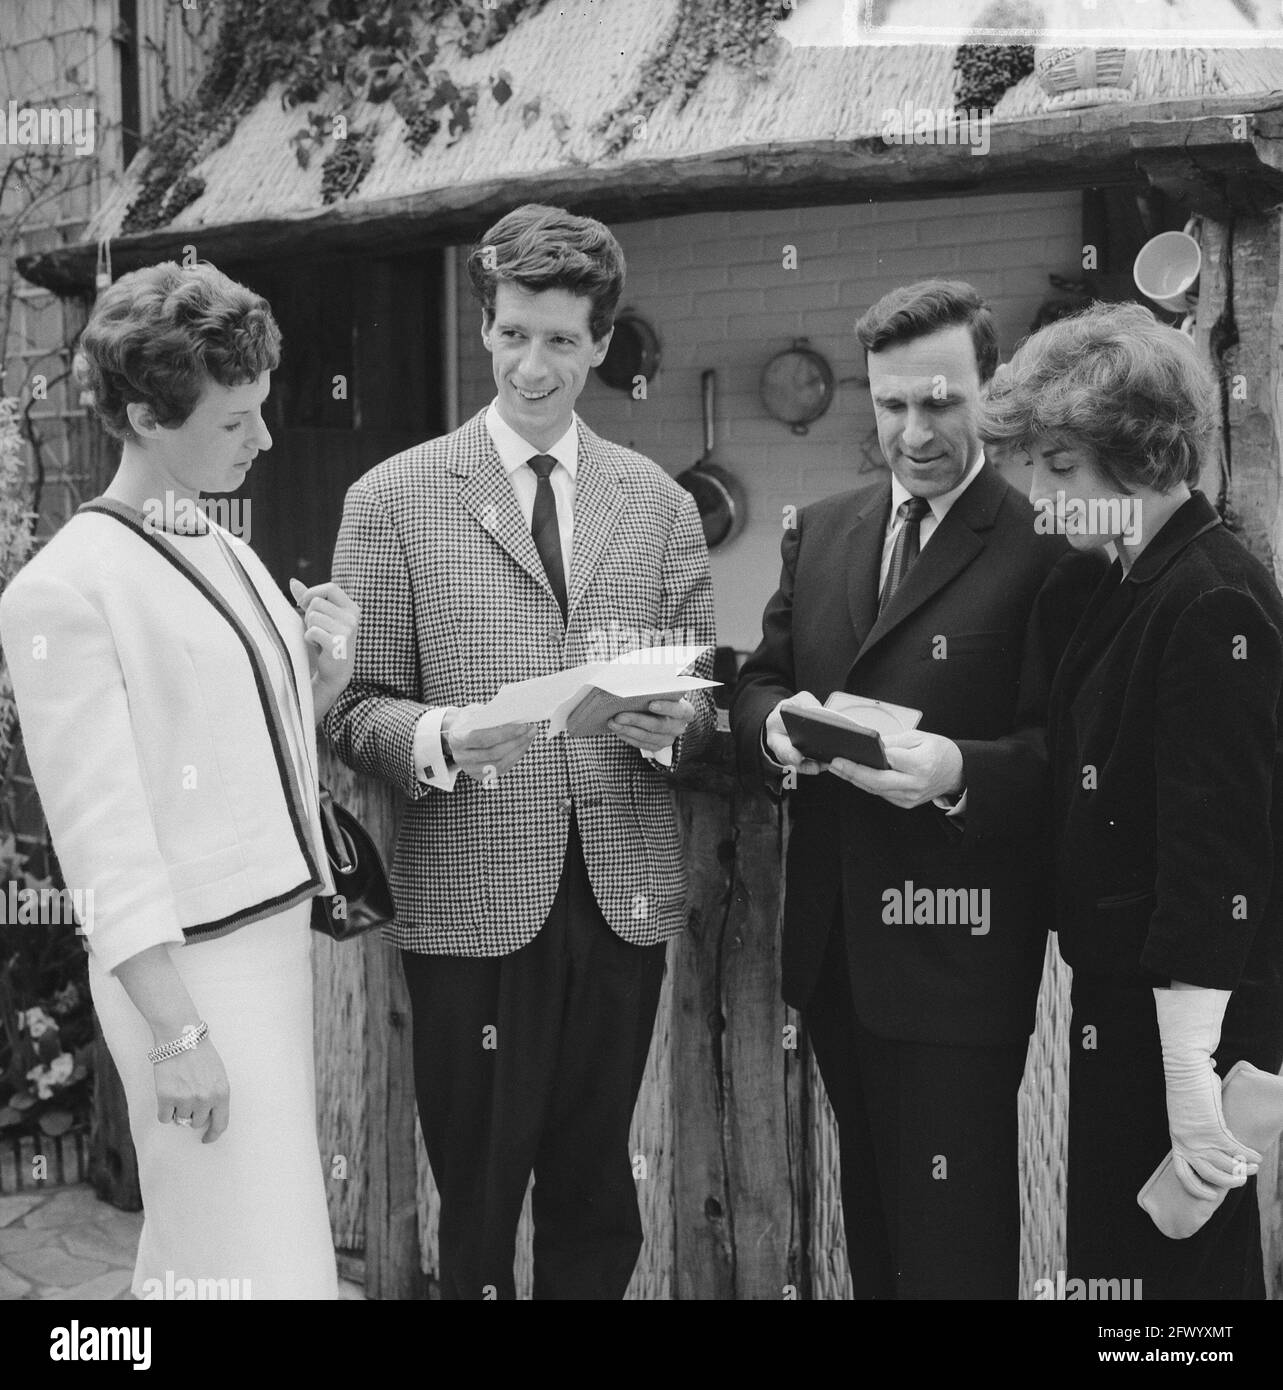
(515,454)
(927,526)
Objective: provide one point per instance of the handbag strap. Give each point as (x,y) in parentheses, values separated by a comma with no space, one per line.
(338,843)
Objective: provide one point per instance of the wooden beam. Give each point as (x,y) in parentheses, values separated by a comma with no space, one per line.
(1219,145)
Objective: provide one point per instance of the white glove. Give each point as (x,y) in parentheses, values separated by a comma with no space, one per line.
(1205,1155)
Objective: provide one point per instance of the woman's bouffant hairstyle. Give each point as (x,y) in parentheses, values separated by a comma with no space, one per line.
(547,248)
(1117,382)
(914,311)
(159,334)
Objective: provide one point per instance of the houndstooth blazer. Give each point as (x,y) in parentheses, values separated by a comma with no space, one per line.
(455,603)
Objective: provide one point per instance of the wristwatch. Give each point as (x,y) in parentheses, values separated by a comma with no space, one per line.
(446,750)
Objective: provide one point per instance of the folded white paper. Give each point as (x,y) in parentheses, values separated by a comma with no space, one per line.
(647,673)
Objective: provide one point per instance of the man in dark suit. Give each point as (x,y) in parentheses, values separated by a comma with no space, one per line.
(537,880)
(916,911)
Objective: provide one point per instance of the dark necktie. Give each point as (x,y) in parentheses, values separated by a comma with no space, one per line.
(905,550)
(544,528)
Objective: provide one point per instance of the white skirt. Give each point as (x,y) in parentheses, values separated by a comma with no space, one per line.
(245,1216)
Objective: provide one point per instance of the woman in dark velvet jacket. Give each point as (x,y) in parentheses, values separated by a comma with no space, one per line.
(1164,743)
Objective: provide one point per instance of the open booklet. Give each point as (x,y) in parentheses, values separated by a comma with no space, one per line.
(848,726)
(581,701)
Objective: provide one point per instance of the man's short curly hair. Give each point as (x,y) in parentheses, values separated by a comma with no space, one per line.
(544,248)
(160,334)
(1117,382)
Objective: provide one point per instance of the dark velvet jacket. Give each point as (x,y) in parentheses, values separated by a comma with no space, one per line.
(1164,732)
(958,643)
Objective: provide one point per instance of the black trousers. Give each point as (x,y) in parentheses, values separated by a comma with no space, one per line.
(927,1138)
(532,1062)
(1118,1135)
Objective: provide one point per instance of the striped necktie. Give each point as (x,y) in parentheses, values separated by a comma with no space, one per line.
(905,550)
(545,530)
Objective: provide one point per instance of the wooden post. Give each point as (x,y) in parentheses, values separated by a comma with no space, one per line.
(392,1268)
(737,1074)
(765,1068)
(1240,326)
(704,1249)
(383,1067)
(1240,318)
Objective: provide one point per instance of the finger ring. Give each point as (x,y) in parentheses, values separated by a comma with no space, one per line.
(184,1120)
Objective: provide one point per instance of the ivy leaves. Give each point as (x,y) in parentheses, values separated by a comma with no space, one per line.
(985,71)
(381,54)
(385,53)
(740,31)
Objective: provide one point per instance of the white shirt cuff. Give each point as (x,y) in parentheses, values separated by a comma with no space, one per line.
(429,760)
(953,811)
(664,757)
(767,754)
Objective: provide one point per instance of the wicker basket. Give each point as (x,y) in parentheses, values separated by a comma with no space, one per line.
(1085,76)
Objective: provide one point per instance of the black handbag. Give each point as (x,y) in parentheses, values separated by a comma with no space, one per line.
(362,900)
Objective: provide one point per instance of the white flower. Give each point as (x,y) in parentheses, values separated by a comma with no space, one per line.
(56,1074)
(38,1023)
(60,1069)
(39,1077)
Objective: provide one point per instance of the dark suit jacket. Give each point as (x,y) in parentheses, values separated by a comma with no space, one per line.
(974,585)
(1164,732)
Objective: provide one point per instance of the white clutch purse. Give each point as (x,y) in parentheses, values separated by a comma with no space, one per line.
(1252,1100)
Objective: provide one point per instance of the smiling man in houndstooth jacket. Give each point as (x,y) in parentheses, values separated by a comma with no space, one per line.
(536,880)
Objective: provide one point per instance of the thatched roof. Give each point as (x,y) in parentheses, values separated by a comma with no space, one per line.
(810,130)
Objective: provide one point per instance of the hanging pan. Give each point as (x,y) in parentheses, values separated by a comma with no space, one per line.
(718,494)
(797,386)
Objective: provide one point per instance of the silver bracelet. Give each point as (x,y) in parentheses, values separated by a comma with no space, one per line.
(191,1036)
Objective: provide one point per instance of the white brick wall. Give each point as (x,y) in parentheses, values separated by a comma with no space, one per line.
(713,286)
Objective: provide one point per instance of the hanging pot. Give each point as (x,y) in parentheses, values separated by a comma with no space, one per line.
(797,386)
(717,493)
(633,352)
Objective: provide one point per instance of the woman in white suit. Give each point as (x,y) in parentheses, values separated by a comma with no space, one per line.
(168,694)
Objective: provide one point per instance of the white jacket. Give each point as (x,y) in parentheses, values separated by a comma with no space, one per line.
(153,737)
